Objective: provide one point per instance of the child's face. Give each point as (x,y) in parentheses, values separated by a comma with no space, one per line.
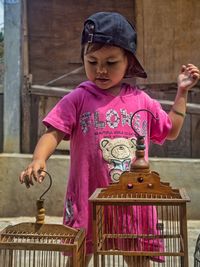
(106,67)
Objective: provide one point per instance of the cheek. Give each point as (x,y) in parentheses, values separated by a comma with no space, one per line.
(88,68)
(120,71)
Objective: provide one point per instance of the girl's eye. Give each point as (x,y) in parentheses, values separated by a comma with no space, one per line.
(92,62)
(111,62)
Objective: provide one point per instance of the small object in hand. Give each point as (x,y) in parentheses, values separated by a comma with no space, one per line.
(26,181)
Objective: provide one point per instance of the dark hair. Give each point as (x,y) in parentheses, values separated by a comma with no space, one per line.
(96,46)
(91,48)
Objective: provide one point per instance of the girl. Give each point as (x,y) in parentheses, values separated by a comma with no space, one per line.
(96,117)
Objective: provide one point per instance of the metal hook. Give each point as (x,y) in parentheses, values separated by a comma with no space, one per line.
(49,184)
(140,136)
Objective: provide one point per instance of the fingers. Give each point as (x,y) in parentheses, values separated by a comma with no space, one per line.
(41,175)
(31,173)
(24,178)
(191,70)
(183,68)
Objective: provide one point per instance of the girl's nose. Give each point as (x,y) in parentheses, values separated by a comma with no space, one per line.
(101,69)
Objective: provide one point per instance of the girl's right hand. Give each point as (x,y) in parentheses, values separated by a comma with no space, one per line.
(34,171)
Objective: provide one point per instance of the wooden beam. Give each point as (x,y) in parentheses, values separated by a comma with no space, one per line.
(43,90)
(1,121)
(26,120)
(191,107)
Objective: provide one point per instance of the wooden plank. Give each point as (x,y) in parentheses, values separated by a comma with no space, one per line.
(25,96)
(59,92)
(195,127)
(195,133)
(165,93)
(182,147)
(191,107)
(187,143)
(26,121)
(34,110)
(179,148)
(1,122)
(49,91)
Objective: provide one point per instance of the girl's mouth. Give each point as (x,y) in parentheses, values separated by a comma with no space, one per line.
(102,80)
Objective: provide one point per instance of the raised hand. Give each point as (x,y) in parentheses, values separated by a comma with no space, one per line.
(188,77)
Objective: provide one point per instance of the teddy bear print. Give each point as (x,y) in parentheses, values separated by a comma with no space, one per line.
(118,153)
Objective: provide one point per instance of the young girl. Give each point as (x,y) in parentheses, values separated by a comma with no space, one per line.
(96,117)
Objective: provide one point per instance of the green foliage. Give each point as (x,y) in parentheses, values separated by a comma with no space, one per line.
(1,37)
(1,44)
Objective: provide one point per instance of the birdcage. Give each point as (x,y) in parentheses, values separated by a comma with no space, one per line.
(42,245)
(197,253)
(140,221)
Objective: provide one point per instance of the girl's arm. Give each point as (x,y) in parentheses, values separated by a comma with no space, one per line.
(188,77)
(43,150)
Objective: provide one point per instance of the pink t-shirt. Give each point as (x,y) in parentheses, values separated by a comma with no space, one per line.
(102,142)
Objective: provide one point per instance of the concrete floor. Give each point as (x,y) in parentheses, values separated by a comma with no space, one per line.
(193,230)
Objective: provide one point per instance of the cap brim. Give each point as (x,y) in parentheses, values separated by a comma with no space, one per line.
(135,69)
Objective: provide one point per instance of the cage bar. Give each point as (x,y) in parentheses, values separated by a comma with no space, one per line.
(197,253)
(140,220)
(42,245)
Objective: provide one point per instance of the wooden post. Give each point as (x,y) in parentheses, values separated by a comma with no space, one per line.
(1,118)
(26,99)
(13,75)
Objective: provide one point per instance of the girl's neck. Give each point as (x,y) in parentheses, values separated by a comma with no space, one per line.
(115,90)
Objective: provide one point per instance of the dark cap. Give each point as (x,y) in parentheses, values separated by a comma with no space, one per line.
(113,29)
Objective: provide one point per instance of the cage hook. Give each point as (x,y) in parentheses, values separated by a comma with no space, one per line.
(40,203)
(50,184)
(137,134)
(139,163)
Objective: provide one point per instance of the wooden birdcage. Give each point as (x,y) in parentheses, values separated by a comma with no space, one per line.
(140,221)
(197,253)
(42,245)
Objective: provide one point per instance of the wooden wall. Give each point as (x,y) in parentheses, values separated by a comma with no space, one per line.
(168,36)
(55,28)
(187,144)
(54,32)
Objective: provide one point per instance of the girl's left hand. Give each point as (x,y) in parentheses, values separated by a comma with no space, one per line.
(188,77)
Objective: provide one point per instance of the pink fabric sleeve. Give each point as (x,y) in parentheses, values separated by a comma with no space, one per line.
(63,116)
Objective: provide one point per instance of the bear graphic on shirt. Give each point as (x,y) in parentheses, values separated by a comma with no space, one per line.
(118,153)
